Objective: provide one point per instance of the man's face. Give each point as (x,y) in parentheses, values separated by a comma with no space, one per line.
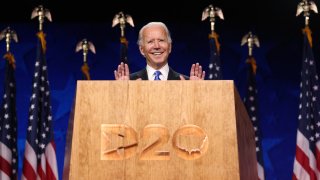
(155,46)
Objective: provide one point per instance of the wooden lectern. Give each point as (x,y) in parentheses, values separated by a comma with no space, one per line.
(152,130)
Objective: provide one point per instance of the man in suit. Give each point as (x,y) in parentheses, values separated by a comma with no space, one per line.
(155,45)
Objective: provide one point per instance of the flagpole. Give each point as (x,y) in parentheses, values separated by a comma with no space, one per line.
(251,99)
(121,19)
(40,161)
(85,46)
(306,162)
(8,115)
(211,13)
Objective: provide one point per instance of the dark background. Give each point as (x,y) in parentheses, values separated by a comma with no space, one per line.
(279,58)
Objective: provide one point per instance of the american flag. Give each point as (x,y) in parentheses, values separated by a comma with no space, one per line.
(40,154)
(251,103)
(8,124)
(124,50)
(307,158)
(214,64)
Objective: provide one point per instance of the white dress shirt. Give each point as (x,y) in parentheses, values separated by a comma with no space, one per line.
(164,72)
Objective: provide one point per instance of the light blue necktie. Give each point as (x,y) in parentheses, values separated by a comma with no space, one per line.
(157,75)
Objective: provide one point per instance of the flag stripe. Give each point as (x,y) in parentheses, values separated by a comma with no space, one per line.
(31,159)
(303,159)
(299,171)
(6,154)
(260,172)
(51,159)
(5,167)
(28,171)
(4,176)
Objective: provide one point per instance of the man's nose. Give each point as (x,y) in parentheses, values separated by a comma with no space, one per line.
(156,44)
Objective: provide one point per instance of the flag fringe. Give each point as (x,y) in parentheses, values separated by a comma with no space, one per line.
(10,58)
(85,70)
(215,36)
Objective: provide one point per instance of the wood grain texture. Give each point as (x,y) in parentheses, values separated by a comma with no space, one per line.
(210,105)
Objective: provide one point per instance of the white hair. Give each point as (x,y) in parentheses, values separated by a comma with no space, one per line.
(140,38)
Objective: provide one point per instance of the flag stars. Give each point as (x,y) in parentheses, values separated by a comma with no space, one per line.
(29,128)
(252,108)
(315,87)
(42,146)
(37,64)
(311,138)
(6,116)
(8,137)
(43,135)
(5,106)
(311,62)
(7,126)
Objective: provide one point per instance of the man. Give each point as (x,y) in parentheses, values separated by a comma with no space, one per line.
(155,45)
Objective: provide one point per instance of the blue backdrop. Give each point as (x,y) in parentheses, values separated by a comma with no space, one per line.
(278,76)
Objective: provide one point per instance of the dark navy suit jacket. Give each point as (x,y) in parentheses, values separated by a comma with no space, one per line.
(144,75)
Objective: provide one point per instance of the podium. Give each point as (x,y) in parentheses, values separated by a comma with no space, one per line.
(160,130)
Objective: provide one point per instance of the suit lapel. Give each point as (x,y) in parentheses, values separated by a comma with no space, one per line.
(173,75)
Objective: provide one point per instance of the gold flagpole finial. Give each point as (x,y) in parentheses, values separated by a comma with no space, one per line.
(251,40)
(8,34)
(122,19)
(42,13)
(306,7)
(85,46)
(212,12)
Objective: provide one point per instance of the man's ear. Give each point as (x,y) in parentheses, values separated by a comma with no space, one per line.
(141,51)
